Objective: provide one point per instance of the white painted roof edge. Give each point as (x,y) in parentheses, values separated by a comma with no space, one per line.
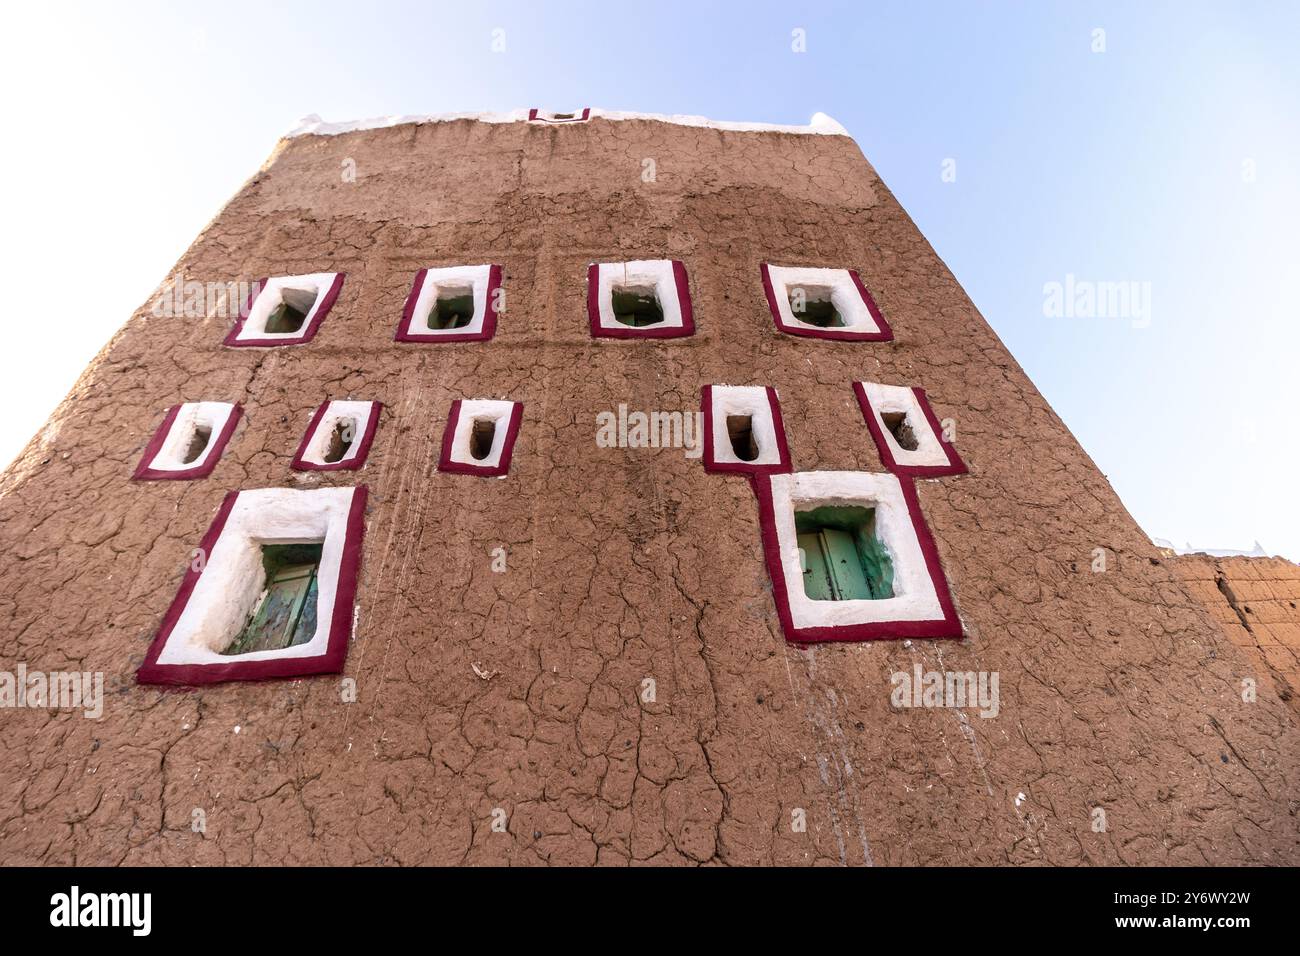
(313,125)
(1255,552)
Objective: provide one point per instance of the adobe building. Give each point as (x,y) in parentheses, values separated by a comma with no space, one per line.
(401,546)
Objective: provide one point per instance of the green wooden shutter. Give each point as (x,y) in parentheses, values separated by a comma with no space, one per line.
(847,573)
(286,613)
(816,572)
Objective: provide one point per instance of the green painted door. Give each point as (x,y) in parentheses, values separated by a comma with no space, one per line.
(847,573)
(816,573)
(286,614)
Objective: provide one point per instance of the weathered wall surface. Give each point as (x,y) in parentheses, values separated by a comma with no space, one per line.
(1118,690)
(1257,603)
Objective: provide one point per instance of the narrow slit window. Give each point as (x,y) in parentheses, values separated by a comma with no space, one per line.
(911,439)
(740,429)
(198,444)
(285,614)
(454,308)
(292,312)
(481,437)
(341,437)
(815,305)
(841,557)
(637,306)
(901,429)
(189,442)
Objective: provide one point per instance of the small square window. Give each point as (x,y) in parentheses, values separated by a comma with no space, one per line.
(823,303)
(269,592)
(338,437)
(907,434)
(480,437)
(645,299)
(286,310)
(851,558)
(452,304)
(543,116)
(743,430)
(189,442)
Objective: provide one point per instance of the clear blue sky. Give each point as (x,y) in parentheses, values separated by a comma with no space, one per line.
(1173,158)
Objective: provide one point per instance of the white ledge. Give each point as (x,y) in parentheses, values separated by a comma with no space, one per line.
(313,125)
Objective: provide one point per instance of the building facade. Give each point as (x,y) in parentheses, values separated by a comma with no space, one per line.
(598,488)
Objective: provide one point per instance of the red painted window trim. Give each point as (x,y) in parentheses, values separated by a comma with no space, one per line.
(886,334)
(331,662)
(710,460)
(308,332)
(489,314)
(955,464)
(447,464)
(680,280)
(144,473)
(354,463)
(949,626)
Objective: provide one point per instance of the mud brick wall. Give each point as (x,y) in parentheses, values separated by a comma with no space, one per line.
(1257,604)
(521,690)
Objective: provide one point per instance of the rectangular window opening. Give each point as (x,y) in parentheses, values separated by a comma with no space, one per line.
(454,308)
(637,306)
(740,429)
(198,444)
(813,304)
(481,438)
(285,614)
(341,437)
(899,427)
(291,313)
(841,557)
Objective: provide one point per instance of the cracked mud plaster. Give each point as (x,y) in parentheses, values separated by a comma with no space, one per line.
(1118,689)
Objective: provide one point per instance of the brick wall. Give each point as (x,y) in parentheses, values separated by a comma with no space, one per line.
(1257,603)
